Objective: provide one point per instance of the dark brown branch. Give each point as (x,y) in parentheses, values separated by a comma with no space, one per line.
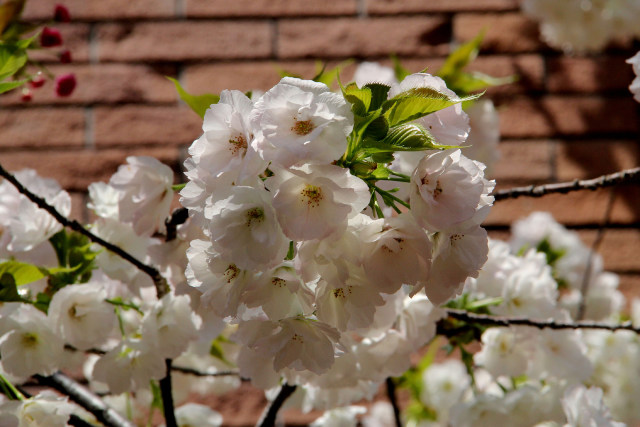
(197,373)
(484,319)
(83,397)
(622,177)
(162,288)
(268,419)
(391,394)
(167,397)
(179,216)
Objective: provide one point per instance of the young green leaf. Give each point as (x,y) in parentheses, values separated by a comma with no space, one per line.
(8,288)
(22,273)
(12,59)
(7,86)
(359,98)
(459,58)
(398,69)
(379,94)
(418,102)
(198,103)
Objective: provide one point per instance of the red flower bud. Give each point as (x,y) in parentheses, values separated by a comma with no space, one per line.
(37,81)
(61,14)
(26,95)
(65,57)
(65,84)
(50,37)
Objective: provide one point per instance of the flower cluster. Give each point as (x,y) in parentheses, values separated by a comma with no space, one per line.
(584,25)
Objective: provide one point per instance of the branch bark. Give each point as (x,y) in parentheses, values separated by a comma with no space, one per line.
(391,394)
(83,397)
(622,177)
(268,419)
(161,285)
(484,319)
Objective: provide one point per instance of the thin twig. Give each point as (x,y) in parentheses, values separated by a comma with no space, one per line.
(484,319)
(586,278)
(622,177)
(83,397)
(162,288)
(268,419)
(167,397)
(179,216)
(391,394)
(197,373)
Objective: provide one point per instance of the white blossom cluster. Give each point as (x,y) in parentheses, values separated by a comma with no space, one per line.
(584,25)
(635,84)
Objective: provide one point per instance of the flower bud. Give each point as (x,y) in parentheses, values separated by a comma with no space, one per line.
(37,81)
(26,95)
(65,57)
(61,14)
(65,84)
(50,37)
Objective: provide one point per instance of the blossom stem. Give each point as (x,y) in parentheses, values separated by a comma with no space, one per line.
(392,197)
(167,397)
(83,397)
(622,177)
(391,394)
(161,285)
(484,319)
(268,419)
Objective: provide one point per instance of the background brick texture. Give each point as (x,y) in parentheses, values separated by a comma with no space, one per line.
(566,117)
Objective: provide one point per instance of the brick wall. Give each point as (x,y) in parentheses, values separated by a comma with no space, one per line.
(566,117)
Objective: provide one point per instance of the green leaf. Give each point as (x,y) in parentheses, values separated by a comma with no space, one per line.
(475,81)
(406,137)
(178,187)
(76,259)
(10,11)
(119,302)
(291,252)
(156,403)
(379,94)
(329,76)
(418,102)
(377,129)
(8,289)
(459,58)
(7,86)
(22,273)
(198,103)
(42,302)
(12,59)
(216,351)
(359,98)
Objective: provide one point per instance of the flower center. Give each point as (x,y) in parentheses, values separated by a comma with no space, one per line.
(302,127)
(231,272)
(254,214)
(238,145)
(278,282)
(312,195)
(29,340)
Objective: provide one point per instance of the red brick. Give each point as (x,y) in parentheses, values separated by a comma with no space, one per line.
(577,208)
(588,159)
(630,287)
(619,250)
(183,40)
(77,206)
(347,37)
(145,125)
(555,115)
(508,32)
(106,83)
(102,10)
(41,127)
(275,8)
(75,170)
(245,76)
(523,162)
(76,40)
(594,74)
(417,6)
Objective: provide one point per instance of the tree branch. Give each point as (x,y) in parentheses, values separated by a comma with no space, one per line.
(167,397)
(268,419)
(484,319)
(622,177)
(83,397)
(162,287)
(197,373)
(179,216)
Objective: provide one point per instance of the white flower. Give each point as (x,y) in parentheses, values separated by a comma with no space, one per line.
(243,228)
(28,225)
(130,366)
(485,133)
(449,126)
(373,72)
(458,255)
(145,193)
(170,325)
(301,121)
(585,408)
(81,315)
(634,87)
(104,200)
(340,417)
(398,253)
(194,414)
(46,409)
(504,352)
(314,201)
(443,385)
(30,346)
(448,190)
(295,342)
